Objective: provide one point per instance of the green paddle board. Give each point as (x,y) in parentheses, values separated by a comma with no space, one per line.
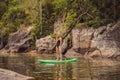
(57,61)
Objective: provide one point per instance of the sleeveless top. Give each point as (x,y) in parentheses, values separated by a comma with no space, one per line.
(58,43)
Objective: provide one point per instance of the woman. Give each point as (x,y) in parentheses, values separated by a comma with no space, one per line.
(59,47)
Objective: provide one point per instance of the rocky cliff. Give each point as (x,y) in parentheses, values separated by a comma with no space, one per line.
(43,45)
(103,41)
(88,41)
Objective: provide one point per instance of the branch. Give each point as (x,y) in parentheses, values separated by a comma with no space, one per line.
(73,25)
(90,15)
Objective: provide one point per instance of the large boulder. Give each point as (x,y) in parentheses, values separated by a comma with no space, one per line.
(10,75)
(108,43)
(1,42)
(65,45)
(72,54)
(44,45)
(81,38)
(103,41)
(20,40)
(76,39)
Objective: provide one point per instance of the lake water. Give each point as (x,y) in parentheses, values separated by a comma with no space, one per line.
(83,69)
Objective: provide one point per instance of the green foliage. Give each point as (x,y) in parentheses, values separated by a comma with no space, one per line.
(79,25)
(96,14)
(53,35)
(71,17)
(3,8)
(12,19)
(60,5)
(16,14)
(87,1)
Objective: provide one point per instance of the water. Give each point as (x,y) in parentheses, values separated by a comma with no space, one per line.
(83,69)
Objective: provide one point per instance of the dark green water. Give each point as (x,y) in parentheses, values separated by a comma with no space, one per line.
(83,69)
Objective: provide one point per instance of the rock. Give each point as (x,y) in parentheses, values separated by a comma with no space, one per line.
(103,41)
(76,39)
(46,44)
(59,26)
(10,75)
(95,53)
(1,42)
(100,30)
(43,45)
(81,38)
(86,35)
(20,40)
(65,45)
(108,42)
(72,54)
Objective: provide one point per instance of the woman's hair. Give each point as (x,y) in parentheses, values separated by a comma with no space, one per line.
(58,36)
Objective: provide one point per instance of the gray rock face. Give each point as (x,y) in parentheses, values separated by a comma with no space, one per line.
(75,39)
(1,42)
(65,45)
(81,38)
(43,45)
(19,41)
(108,42)
(103,41)
(72,54)
(10,75)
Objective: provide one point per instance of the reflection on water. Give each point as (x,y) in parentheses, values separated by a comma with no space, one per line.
(83,69)
(55,72)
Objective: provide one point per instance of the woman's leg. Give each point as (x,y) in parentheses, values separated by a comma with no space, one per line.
(60,52)
(57,53)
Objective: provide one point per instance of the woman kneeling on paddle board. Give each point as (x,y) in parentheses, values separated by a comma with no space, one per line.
(58,47)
